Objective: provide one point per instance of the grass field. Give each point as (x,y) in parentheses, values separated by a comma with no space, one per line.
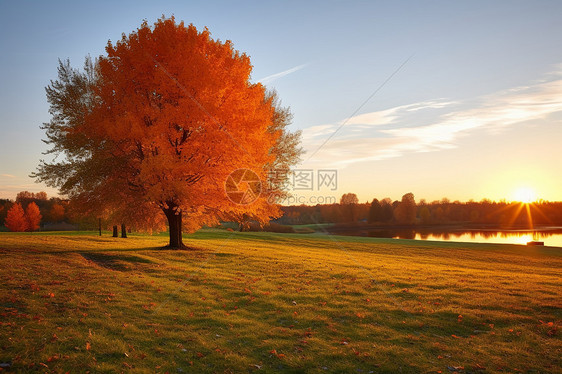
(260,302)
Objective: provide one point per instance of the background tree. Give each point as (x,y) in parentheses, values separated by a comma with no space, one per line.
(425,215)
(56,213)
(24,196)
(33,216)
(156,126)
(348,203)
(15,219)
(387,210)
(406,210)
(4,209)
(375,212)
(349,198)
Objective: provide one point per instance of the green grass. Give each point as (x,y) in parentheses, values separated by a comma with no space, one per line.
(310,228)
(262,302)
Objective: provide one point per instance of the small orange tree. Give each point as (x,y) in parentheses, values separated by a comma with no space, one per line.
(158,124)
(32,216)
(15,218)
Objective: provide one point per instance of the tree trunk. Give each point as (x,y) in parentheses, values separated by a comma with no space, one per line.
(123,231)
(174,217)
(115,235)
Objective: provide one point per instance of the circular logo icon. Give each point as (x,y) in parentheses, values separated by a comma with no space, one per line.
(243,186)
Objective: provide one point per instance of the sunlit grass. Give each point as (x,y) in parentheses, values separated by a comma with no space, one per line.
(276,302)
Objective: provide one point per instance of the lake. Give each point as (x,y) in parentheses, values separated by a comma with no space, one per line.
(551,236)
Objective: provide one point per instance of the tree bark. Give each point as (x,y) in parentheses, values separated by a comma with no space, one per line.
(115,235)
(123,231)
(174,217)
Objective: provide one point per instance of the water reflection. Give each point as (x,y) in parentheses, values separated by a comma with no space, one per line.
(550,236)
(482,237)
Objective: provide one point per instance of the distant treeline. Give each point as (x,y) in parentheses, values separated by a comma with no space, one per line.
(407,212)
(53,210)
(56,212)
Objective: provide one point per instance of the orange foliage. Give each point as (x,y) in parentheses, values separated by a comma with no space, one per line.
(57,212)
(174,114)
(15,219)
(191,114)
(33,216)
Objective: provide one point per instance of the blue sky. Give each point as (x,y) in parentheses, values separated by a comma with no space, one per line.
(475,112)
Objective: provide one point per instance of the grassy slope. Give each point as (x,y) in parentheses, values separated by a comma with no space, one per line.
(269,302)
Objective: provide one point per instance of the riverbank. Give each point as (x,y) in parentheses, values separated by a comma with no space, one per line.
(550,235)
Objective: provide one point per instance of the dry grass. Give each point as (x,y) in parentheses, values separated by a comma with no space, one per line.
(259,302)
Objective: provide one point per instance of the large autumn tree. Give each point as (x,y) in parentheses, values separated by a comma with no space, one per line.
(156,126)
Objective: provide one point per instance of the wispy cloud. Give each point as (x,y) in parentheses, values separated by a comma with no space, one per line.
(368,122)
(432,125)
(272,77)
(7,176)
(497,111)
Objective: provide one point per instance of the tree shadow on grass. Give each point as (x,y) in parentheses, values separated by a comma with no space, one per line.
(115,262)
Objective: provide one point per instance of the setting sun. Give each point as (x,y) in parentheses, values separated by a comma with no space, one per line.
(525,195)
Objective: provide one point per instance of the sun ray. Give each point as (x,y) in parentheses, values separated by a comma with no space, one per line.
(529,216)
(537,209)
(516,214)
